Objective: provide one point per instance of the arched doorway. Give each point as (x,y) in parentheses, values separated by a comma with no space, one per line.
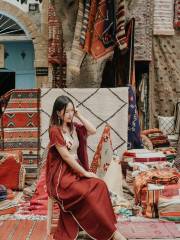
(35,35)
(18,54)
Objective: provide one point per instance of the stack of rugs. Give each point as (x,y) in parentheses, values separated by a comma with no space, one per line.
(154,138)
(138,160)
(158,192)
(144,156)
(169,152)
(156,184)
(173,140)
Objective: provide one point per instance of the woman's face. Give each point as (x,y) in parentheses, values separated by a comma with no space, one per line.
(68,115)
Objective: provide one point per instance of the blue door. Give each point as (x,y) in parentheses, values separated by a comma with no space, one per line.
(19,58)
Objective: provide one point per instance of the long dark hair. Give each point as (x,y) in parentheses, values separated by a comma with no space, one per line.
(60,103)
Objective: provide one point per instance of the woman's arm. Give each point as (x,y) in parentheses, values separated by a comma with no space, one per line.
(89,126)
(68,158)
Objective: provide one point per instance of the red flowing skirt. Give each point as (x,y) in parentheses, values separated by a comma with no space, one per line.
(84,202)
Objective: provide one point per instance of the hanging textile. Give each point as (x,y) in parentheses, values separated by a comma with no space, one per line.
(124,61)
(77,54)
(55,37)
(163,17)
(142,11)
(100,36)
(120,25)
(177,14)
(134,138)
(85,22)
(164,78)
(56,55)
(58,76)
(142,99)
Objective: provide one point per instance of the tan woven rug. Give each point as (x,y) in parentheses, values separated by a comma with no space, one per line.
(99,105)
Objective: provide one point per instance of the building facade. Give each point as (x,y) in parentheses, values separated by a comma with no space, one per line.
(24,42)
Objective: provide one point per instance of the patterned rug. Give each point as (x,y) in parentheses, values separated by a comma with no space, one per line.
(21,128)
(56,54)
(100,106)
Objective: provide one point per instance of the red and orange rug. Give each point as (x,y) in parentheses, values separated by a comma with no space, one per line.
(23,229)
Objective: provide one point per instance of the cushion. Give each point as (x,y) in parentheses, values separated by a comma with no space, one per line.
(12,172)
(166,124)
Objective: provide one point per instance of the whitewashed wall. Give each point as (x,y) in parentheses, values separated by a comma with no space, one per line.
(24,6)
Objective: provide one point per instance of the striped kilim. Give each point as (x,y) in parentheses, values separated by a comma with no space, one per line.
(120,25)
(85,22)
(21,128)
(99,105)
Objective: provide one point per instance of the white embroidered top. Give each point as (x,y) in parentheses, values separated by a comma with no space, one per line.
(72,143)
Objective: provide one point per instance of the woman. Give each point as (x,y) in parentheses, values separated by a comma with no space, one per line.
(83,198)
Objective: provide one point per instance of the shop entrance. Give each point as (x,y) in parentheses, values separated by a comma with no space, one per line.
(7,81)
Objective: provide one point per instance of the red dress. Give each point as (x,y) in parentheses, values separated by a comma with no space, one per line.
(84,202)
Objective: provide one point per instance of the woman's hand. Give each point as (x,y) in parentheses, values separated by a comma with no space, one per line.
(89,126)
(76,113)
(90,175)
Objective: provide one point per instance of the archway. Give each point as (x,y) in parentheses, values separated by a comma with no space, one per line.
(32,32)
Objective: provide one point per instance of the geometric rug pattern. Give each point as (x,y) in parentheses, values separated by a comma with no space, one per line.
(99,105)
(20,125)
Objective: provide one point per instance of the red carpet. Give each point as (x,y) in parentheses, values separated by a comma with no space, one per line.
(23,229)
